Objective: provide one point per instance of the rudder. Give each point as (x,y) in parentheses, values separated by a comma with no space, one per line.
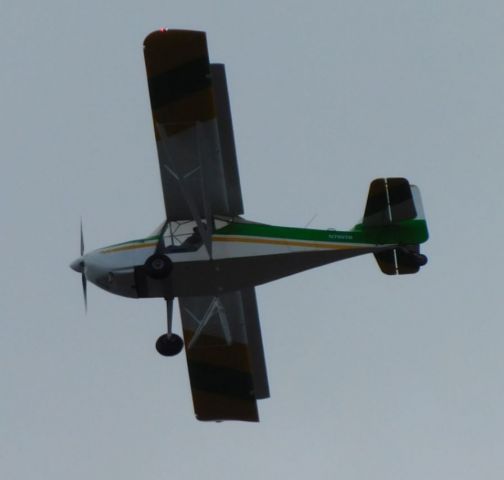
(390,200)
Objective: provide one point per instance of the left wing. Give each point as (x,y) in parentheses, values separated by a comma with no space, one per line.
(192,123)
(225,355)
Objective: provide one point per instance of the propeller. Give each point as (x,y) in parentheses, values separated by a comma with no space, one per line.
(83,268)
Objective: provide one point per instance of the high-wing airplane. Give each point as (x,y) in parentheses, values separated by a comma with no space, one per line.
(210,257)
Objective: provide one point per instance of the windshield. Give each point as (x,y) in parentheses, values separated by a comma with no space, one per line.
(184,235)
(180,236)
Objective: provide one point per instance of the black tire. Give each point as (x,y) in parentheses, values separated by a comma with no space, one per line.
(417,259)
(422,260)
(158,266)
(412,258)
(169,346)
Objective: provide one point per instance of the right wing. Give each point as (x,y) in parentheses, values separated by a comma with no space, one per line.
(225,355)
(192,123)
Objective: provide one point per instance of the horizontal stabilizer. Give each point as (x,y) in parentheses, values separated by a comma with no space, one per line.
(401,261)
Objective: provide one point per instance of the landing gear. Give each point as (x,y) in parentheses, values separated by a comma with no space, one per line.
(420,259)
(169,344)
(413,257)
(158,266)
(416,259)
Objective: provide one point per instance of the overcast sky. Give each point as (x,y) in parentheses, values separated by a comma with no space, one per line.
(371,377)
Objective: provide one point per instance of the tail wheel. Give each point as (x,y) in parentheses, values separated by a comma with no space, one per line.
(417,259)
(413,256)
(421,259)
(158,266)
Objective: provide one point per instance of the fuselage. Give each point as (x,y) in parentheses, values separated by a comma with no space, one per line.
(243,254)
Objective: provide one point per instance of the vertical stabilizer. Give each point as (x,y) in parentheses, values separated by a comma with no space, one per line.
(390,200)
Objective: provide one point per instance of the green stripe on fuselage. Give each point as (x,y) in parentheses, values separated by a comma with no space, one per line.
(406,232)
(286,233)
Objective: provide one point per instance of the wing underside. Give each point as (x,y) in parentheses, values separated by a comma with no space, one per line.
(192,123)
(225,355)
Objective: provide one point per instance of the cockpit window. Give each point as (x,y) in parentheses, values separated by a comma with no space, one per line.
(184,235)
(189,242)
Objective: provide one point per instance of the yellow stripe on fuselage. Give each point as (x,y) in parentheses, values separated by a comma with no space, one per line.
(253,240)
(284,242)
(123,248)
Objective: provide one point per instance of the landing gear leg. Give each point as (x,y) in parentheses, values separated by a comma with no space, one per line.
(169,344)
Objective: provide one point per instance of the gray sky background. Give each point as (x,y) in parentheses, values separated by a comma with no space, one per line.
(371,376)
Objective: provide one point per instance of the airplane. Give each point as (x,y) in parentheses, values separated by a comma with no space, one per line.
(210,257)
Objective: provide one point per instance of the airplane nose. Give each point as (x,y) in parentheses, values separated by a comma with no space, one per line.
(77,265)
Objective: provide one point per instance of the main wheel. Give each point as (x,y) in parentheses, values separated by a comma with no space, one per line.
(158,266)
(168,346)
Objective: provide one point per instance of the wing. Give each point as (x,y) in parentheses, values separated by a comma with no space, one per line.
(192,123)
(225,355)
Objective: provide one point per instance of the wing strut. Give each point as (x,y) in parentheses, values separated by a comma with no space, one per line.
(205,229)
(214,307)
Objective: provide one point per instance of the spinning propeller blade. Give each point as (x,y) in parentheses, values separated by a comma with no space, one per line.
(81,239)
(83,274)
(84,290)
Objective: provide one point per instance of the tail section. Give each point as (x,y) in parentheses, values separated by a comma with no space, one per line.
(401,261)
(394,216)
